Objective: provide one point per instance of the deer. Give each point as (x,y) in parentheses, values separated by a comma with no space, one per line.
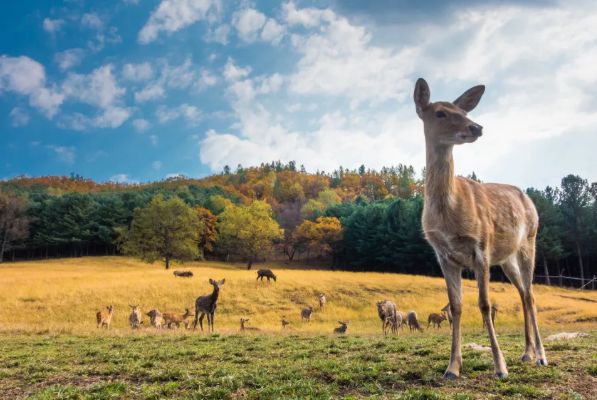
(322,301)
(340,330)
(475,225)
(446,311)
(413,321)
(183,274)
(155,318)
(387,314)
(243,328)
(494,310)
(436,320)
(266,273)
(306,313)
(206,305)
(135,317)
(104,317)
(284,322)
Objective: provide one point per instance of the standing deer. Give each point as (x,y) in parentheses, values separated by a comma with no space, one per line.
(266,273)
(322,301)
(206,305)
(446,311)
(386,310)
(104,317)
(284,322)
(135,317)
(474,225)
(306,313)
(436,320)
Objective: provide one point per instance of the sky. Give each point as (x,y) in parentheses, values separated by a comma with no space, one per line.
(142,90)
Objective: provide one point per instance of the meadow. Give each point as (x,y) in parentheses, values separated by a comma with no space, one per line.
(50,346)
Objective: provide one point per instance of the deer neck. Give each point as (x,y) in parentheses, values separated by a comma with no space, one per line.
(439,178)
(214,295)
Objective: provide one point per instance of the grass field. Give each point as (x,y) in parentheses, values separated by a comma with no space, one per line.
(50,347)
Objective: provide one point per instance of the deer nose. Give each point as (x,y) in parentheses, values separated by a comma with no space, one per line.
(475,129)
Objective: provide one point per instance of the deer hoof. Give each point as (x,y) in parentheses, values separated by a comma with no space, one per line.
(541,362)
(526,358)
(450,376)
(501,375)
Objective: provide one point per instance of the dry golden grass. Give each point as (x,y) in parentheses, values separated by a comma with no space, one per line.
(64,295)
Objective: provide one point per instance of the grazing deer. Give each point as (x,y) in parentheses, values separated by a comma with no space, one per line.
(155,318)
(266,273)
(183,274)
(284,322)
(175,318)
(243,328)
(436,320)
(206,305)
(306,313)
(104,318)
(322,301)
(342,328)
(413,322)
(494,310)
(135,317)
(387,313)
(446,311)
(474,225)
(401,319)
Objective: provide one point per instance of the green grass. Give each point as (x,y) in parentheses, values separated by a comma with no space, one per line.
(183,366)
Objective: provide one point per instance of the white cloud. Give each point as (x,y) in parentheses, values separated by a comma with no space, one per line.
(218,35)
(92,21)
(120,178)
(27,77)
(206,79)
(52,25)
(233,72)
(63,153)
(112,117)
(69,58)
(137,72)
(141,125)
(19,117)
(99,88)
(149,92)
(154,140)
(173,15)
(156,165)
(252,25)
(188,112)
(306,17)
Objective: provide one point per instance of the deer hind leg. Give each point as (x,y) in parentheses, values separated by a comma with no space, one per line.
(526,259)
(482,275)
(512,270)
(452,276)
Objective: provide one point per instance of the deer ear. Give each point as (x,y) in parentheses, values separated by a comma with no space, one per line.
(211,281)
(421,96)
(222,281)
(469,99)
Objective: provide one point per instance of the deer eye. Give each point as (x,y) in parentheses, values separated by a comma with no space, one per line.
(440,114)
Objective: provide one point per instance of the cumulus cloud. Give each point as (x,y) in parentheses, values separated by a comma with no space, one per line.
(52,26)
(92,21)
(218,34)
(173,15)
(252,25)
(19,117)
(531,95)
(63,153)
(27,77)
(70,58)
(181,76)
(137,72)
(188,112)
(141,125)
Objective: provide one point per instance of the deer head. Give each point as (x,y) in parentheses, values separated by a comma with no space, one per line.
(447,123)
(217,284)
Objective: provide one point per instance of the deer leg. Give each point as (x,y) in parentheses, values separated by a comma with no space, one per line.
(453,278)
(512,271)
(201,321)
(527,263)
(482,275)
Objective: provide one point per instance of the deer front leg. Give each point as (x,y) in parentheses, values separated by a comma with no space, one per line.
(452,275)
(482,274)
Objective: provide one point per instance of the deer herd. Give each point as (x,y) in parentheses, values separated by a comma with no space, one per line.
(470,225)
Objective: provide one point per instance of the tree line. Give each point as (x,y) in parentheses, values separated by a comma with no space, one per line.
(354,219)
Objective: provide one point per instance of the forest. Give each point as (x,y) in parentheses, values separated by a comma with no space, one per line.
(364,220)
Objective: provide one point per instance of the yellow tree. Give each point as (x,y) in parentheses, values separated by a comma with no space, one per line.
(248,231)
(321,236)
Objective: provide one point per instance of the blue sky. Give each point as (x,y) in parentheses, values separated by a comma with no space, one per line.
(138,90)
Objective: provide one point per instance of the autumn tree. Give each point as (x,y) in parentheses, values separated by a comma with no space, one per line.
(321,236)
(165,229)
(14,222)
(248,231)
(208,233)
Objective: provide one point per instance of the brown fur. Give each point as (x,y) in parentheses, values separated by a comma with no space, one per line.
(413,322)
(436,320)
(474,225)
(243,327)
(342,328)
(104,317)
